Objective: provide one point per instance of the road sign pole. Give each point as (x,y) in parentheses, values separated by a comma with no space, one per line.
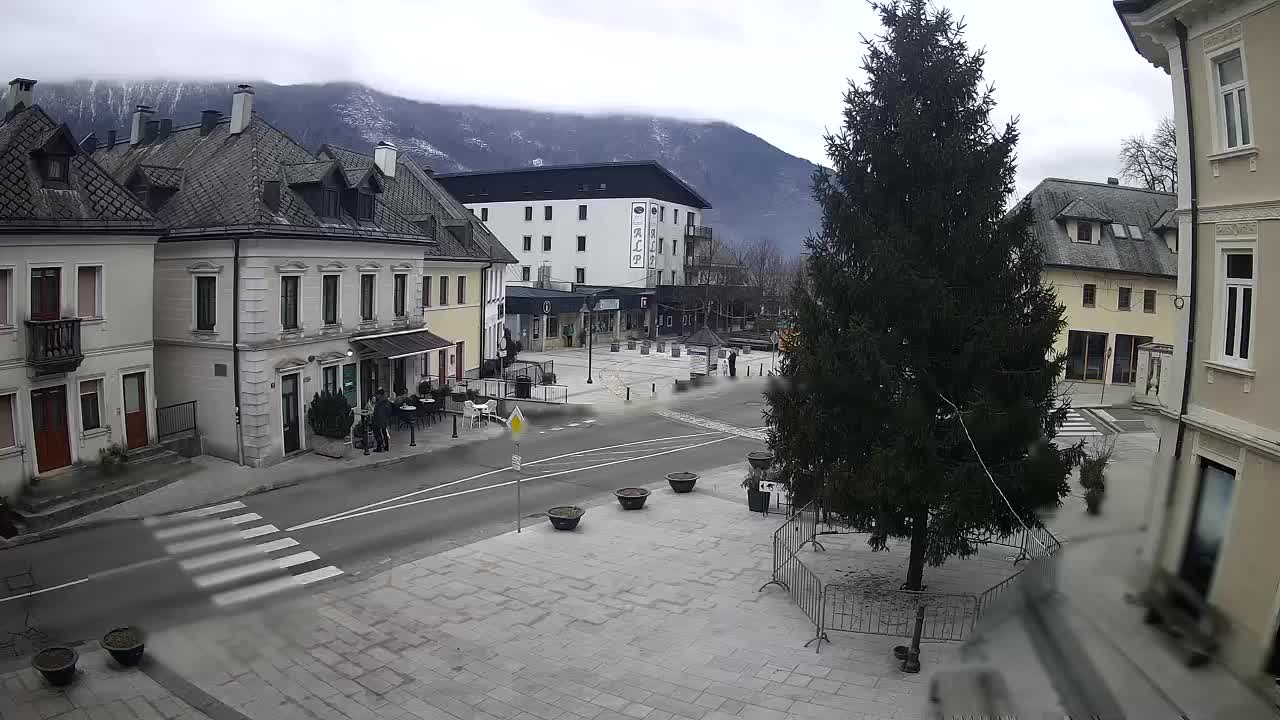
(518,512)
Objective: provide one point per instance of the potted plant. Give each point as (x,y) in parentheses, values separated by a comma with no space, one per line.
(682,482)
(757,501)
(760,459)
(631,498)
(565,517)
(1093,468)
(112,459)
(329,418)
(57,664)
(125,645)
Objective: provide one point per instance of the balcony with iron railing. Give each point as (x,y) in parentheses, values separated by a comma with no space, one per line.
(53,346)
(697,232)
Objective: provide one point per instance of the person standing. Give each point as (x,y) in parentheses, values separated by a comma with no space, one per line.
(733,363)
(382,412)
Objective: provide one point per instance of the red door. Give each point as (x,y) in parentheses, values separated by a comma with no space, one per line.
(457,364)
(49,421)
(442,362)
(135,410)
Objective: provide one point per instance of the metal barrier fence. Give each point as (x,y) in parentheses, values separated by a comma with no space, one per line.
(175,420)
(894,612)
(509,390)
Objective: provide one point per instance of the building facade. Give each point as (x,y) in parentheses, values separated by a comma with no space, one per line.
(76,249)
(282,273)
(1218,471)
(623,224)
(1110,253)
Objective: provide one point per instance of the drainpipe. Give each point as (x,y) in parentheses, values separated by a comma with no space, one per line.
(1181,31)
(235,342)
(484,309)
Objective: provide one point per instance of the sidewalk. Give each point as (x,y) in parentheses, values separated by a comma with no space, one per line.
(648,615)
(1093,395)
(217,480)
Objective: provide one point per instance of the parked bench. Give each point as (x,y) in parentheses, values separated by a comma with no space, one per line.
(1184,613)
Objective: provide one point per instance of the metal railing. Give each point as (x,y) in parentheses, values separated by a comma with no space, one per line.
(698,232)
(894,612)
(804,587)
(175,420)
(510,390)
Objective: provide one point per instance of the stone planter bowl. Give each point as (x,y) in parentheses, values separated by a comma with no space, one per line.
(565,517)
(614,347)
(631,498)
(631,344)
(125,644)
(57,664)
(682,482)
(760,459)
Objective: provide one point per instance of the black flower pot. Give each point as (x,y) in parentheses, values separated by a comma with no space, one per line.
(760,460)
(757,501)
(631,498)
(125,645)
(57,665)
(682,482)
(614,347)
(631,344)
(565,517)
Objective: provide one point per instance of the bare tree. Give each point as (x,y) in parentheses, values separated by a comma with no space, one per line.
(1154,162)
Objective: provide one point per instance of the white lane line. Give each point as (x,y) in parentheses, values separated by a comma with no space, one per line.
(315,523)
(556,428)
(259,531)
(238,553)
(44,590)
(493,472)
(188,514)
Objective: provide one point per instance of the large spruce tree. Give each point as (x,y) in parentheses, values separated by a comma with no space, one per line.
(922,291)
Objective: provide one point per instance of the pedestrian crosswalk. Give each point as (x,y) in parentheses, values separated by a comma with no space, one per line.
(234,555)
(1077,426)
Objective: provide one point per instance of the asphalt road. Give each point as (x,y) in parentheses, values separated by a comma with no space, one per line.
(154,572)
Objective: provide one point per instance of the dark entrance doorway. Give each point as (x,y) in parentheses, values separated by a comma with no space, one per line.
(1124,367)
(1208,525)
(135,410)
(1086,355)
(289,413)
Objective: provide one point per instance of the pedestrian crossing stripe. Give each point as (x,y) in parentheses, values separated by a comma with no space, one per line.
(225,548)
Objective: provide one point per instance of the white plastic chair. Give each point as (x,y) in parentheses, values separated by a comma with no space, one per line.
(471,414)
(488,410)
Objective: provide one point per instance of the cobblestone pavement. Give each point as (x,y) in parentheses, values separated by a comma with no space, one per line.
(102,691)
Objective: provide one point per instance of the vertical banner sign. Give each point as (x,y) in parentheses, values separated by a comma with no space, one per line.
(639,233)
(653,235)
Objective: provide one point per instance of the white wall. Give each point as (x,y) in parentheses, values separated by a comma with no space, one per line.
(607,229)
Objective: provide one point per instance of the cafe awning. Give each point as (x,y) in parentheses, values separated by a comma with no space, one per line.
(400,344)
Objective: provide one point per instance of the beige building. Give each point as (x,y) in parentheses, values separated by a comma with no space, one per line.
(282,273)
(76,368)
(1217,406)
(1110,253)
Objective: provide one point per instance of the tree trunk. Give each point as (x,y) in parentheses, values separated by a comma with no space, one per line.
(919,540)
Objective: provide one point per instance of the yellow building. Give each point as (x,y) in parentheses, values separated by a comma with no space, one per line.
(1217,409)
(1110,253)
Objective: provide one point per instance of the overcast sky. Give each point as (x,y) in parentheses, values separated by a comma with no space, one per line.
(774,67)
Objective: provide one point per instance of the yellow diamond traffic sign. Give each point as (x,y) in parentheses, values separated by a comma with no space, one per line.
(516,422)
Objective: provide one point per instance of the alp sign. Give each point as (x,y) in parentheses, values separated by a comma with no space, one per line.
(639,232)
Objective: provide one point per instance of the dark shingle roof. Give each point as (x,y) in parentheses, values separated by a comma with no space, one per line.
(161,177)
(704,336)
(220,179)
(92,200)
(1119,204)
(1081,209)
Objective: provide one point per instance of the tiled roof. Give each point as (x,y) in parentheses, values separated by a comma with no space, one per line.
(92,200)
(1167,221)
(1119,204)
(220,179)
(1080,209)
(161,177)
(704,336)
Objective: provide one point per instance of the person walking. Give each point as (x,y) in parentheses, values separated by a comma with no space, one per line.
(382,412)
(733,363)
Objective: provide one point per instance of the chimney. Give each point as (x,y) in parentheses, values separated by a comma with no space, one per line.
(1113,181)
(241,108)
(166,127)
(152,131)
(140,114)
(111,137)
(208,118)
(19,96)
(90,143)
(384,156)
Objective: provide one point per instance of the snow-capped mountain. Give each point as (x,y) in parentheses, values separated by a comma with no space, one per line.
(757,189)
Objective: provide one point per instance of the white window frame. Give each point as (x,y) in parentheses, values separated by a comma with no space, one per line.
(338,300)
(99,288)
(103,425)
(1218,92)
(203,268)
(9,323)
(1220,352)
(580,272)
(280,300)
(14,418)
(526,273)
(373,317)
(407,304)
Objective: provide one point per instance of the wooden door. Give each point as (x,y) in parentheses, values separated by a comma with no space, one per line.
(457,363)
(442,363)
(289,413)
(49,422)
(135,410)
(46,293)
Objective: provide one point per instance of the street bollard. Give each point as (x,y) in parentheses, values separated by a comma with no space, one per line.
(628,393)
(412,441)
(748,371)
(455,427)
(653,388)
(911,664)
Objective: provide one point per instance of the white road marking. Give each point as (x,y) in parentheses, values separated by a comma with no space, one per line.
(274,585)
(44,590)
(235,574)
(197,513)
(1105,415)
(194,528)
(203,543)
(556,428)
(259,531)
(237,553)
(353,515)
(488,473)
(573,424)
(242,519)
(323,573)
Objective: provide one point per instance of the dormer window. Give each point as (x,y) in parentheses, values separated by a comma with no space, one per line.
(55,168)
(364,206)
(1084,232)
(329,206)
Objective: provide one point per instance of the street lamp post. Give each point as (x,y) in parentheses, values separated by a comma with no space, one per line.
(588,307)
